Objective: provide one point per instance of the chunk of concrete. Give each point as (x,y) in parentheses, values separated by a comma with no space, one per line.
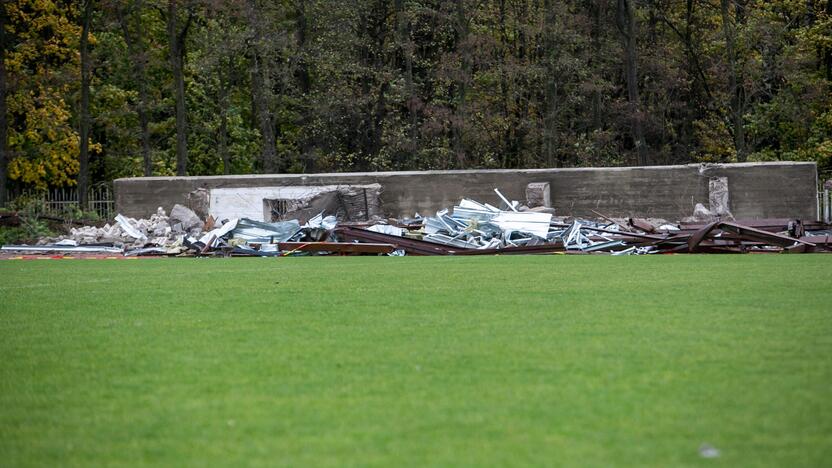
(186,217)
(200,200)
(538,194)
(700,214)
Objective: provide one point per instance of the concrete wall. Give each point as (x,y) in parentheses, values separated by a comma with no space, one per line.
(757,190)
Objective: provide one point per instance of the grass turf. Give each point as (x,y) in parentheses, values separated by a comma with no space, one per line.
(556,360)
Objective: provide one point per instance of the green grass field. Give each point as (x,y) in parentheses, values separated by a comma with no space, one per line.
(555,360)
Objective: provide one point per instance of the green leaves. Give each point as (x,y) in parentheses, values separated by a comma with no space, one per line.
(416,84)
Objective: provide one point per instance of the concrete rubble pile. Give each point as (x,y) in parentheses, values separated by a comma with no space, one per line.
(159,230)
(469,228)
(181,233)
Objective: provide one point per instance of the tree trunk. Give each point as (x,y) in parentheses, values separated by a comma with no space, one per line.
(828,57)
(627,26)
(379,113)
(137,57)
(406,51)
(4,155)
(222,139)
(268,150)
(459,121)
(261,90)
(144,123)
(302,26)
(735,87)
(176,39)
(374,30)
(508,135)
(596,13)
(84,158)
(307,144)
(550,90)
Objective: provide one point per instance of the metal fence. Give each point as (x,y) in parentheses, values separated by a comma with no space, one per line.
(825,206)
(59,202)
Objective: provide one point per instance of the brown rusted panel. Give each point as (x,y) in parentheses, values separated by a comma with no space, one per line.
(642,225)
(744,233)
(419,247)
(337,247)
(411,246)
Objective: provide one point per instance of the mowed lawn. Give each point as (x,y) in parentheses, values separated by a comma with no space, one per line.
(535,360)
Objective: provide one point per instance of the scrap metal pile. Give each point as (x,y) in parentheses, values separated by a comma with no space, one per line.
(470,228)
(481,229)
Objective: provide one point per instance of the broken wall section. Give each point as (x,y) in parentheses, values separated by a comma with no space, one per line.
(270,204)
(349,203)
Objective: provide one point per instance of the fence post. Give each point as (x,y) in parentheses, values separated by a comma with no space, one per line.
(819,206)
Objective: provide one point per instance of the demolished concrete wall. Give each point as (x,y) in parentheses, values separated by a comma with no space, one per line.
(757,190)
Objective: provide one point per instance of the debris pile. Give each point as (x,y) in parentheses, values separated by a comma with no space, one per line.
(469,228)
(160,230)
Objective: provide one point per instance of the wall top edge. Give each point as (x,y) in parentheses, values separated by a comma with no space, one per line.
(301,177)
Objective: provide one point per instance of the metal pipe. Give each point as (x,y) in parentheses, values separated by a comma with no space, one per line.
(505,200)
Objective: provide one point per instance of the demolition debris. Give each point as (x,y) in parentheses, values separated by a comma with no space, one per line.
(469,228)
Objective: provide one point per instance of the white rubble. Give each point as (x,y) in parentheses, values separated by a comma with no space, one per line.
(156,230)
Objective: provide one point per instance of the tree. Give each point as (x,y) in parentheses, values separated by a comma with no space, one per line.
(736,88)
(231,86)
(626,22)
(828,49)
(550,88)
(134,38)
(261,84)
(176,47)
(84,157)
(41,70)
(3,124)
(223,138)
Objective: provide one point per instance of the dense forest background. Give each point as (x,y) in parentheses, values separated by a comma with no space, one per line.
(98,89)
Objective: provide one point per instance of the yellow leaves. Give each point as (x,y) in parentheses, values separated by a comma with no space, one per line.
(45,33)
(824,149)
(57,169)
(46,146)
(44,63)
(29,172)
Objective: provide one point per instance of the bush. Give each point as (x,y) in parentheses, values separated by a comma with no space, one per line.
(29,209)
(72,214)
(12,235)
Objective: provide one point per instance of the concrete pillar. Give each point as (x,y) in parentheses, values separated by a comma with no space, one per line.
(718,197)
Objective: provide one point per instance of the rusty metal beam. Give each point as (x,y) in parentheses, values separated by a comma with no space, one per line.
(410,246)
(336,247)
(745,233)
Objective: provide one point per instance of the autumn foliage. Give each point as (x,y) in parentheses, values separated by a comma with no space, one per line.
(239,86)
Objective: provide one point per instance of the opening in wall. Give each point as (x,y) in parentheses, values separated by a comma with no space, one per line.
(275,209)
